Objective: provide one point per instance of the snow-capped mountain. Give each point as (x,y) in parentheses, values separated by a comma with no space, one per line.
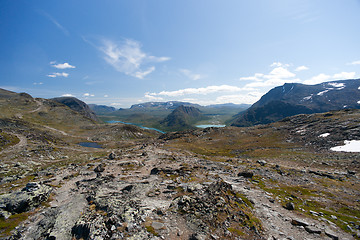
(295,98)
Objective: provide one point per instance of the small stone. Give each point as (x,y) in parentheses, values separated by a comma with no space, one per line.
(311,229)
(112,156)
(289,206)
(299,222)
(100,168)
(261,162)
(157,225)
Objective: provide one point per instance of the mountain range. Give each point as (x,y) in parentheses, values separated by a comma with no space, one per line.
(295,98)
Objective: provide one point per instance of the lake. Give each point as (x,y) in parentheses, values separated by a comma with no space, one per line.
(89,144)
(138,125)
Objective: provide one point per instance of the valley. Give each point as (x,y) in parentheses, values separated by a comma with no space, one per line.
(273,181)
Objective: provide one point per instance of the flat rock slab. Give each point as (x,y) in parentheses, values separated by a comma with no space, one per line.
(311,229)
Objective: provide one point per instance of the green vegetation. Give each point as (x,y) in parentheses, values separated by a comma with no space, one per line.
(7,225)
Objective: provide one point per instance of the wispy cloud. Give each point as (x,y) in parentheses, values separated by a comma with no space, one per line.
(191,75)
(88,95)
(126,56)
(354,63)
(61,65)
(54,21)
(54,75)
(38,83)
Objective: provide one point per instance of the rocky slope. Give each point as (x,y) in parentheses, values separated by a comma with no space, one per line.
(294,98)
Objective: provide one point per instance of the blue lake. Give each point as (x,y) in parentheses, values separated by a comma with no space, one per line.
(209,125)
(138,125)
(89,144)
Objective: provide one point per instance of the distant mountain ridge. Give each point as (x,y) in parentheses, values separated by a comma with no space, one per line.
(101,109)
(162,105)
(295,98)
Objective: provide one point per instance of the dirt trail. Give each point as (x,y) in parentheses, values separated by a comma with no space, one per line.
(22,143)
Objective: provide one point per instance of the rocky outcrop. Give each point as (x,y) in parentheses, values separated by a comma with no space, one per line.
(21,201)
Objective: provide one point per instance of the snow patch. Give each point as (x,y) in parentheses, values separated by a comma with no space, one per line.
(324,135)
(358,102)
(307,98)
(359,88)
(337,85)
(350,146)
(322,93)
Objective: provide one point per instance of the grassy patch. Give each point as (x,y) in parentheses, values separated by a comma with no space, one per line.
(7,225)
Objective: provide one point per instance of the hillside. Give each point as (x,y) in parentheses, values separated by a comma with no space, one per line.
(294,98)
(182,118)
(77,105)
(101,109)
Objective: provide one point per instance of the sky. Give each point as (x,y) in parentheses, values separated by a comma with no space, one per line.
(124,52)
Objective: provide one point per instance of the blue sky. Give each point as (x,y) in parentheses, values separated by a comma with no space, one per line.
(124,52)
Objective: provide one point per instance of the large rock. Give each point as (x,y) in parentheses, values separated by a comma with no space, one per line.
(29,197)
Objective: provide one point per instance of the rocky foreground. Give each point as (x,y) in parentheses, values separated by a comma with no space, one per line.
(147,192)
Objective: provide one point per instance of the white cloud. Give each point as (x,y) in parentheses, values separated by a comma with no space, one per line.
(278,76)
(301,68)
(279,73)
(61,65)
(127,57)
(106,95)
(344,75)
(153,98)
(54,75)
(354,63)
(38,83)
(88,95)
(191,75)
(248,98)
(68,95)
(116,104)
(324,77)
(256,77)
(200,91)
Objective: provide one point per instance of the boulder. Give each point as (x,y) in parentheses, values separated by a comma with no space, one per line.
(246,174)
